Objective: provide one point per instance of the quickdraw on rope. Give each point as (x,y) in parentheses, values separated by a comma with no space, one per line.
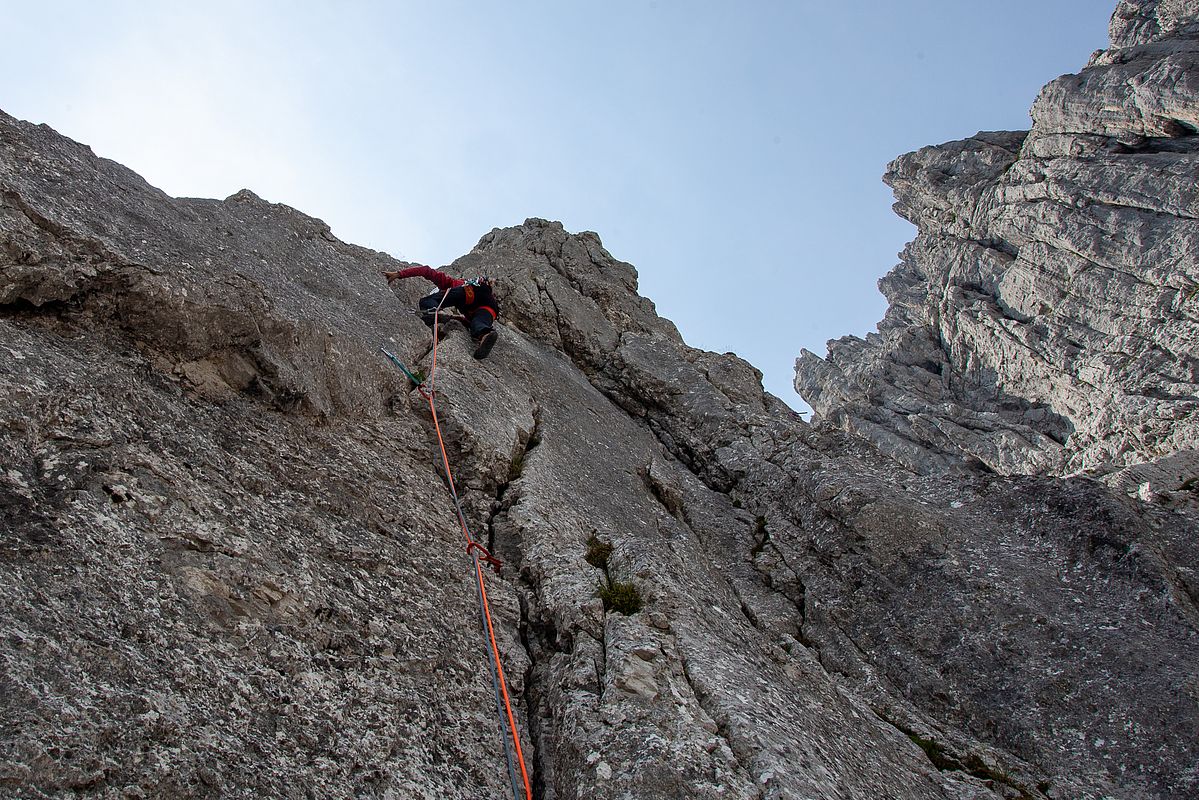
(479,555)
(417,382)
(483,555)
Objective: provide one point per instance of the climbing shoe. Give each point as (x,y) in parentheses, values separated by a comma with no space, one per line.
(485,344)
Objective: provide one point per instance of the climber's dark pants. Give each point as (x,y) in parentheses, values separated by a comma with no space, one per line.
(478,319)
(481,321)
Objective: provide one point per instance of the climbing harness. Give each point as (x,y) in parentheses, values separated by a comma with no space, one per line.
(479,555)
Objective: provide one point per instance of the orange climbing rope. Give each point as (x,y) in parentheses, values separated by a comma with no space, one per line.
(480,554)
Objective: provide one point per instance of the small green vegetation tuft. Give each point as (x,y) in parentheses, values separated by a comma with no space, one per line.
(622,596)
(517,467)
(935,752)
(598,553)
(973,765)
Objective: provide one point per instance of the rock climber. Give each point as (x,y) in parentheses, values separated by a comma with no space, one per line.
(473,298)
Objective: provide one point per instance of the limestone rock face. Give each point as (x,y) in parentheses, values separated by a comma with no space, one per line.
(1137,22)
(231,567)
(1045,319)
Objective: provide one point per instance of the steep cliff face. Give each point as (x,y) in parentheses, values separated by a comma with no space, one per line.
(1045,318)
(231,568)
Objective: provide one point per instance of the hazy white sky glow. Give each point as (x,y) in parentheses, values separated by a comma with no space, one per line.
(731,151)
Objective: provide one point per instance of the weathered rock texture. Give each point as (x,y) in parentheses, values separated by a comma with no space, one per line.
(1045,319)
(231,569)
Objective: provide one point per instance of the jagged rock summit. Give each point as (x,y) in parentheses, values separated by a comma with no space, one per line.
(1045,318)
(230,567)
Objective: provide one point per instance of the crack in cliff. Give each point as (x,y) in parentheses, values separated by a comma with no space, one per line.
(741,755)
(536,631)
(993,243)
(687,456)
(669,497)
(15,201)
(800,601)
(601,667)
(557,261)
(516,468)
(567,346)
(1059,244)
(972,764)
(532,693)
(1161,212)
(1122,311)
(423,356)
(674,504)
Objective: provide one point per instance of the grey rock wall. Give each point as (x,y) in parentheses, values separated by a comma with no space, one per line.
(967,615)
(1045,318)
(230,567)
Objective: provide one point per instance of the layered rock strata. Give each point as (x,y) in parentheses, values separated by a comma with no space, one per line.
(1045,319)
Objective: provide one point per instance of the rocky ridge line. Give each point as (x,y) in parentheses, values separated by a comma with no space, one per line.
(1045,318)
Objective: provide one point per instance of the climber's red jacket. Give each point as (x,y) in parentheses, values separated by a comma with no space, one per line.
(471,297)
(438,277)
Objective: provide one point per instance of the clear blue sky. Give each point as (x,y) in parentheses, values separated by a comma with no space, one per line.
(731,151)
